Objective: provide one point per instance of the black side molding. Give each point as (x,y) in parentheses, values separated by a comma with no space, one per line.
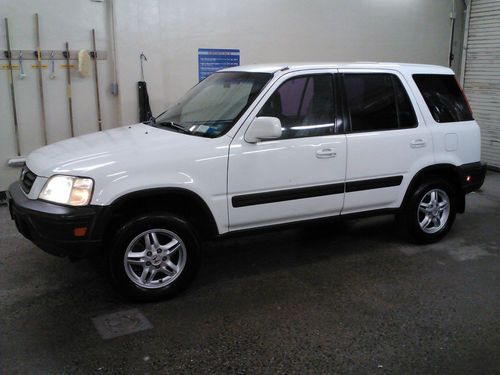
(313,191)
(286,195)
(375,183)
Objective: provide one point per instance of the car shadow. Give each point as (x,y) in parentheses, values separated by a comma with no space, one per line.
(274,250)
(235,258)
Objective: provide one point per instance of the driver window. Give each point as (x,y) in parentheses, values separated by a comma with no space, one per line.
(304,106)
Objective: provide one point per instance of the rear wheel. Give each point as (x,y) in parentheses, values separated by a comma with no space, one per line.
(154,257)
(430,212)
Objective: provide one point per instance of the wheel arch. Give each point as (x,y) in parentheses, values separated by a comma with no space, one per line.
(448,172)
(183,202)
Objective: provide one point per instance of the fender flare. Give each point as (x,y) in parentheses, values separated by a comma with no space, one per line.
(109,210)
(451,170)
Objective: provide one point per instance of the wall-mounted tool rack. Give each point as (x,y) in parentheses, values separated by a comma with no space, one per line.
(43,59)
(46,55)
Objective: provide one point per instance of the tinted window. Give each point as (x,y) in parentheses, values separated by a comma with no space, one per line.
(443,97)
(304,106)
(377,101)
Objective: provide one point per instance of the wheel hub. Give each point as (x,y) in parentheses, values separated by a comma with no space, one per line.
(155,258)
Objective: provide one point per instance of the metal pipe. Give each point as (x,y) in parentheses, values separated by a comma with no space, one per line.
(40,78)
(465,42)
(452,31)
(70,103)
(12,92)
(114,84)
(96,75)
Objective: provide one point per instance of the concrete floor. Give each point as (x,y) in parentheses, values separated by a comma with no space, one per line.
(352,298)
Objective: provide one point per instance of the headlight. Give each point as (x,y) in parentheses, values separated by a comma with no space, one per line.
(74,191)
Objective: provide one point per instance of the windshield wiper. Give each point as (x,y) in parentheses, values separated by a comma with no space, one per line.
(172,124)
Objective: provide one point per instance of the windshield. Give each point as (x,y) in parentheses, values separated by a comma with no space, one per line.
(214,105)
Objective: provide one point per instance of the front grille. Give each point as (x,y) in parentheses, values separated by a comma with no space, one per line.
(27,179)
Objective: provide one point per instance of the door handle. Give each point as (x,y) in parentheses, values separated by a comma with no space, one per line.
(417,143)
(326,153)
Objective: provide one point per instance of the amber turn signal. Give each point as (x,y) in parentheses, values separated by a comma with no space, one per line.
(80,231)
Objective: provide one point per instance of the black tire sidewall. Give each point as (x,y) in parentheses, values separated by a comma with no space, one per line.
(141,224)
(413,226)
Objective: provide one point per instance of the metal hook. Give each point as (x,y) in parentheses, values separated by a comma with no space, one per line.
(141,57)
(52,65)
(21,74)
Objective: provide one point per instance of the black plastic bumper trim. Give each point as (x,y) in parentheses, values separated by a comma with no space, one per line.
(50,226)
(476,173)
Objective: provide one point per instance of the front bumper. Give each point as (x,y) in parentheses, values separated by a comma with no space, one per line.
(52,226)
(472,176)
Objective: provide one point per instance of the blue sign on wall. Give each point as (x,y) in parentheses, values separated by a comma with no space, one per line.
(211,60)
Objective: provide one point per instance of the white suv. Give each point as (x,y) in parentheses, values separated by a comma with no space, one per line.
(249,147)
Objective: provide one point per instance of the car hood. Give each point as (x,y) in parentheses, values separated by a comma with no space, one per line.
(109,150)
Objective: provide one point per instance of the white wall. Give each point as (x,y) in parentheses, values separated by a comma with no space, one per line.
(170,33)
(284,30)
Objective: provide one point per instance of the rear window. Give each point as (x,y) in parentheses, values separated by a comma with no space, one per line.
(444,97)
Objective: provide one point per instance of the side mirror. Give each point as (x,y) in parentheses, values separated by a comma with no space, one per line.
(263,128)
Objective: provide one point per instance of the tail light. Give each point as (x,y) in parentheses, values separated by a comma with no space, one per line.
(463,94)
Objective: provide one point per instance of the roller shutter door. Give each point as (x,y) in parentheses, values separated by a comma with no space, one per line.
(482,74)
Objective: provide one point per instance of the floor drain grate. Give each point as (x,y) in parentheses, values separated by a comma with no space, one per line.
(121,323)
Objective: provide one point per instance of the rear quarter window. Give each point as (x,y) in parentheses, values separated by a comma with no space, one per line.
(443,97)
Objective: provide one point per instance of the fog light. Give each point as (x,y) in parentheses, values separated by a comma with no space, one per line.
(80,231)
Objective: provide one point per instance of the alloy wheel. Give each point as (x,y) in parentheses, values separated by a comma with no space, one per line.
(433,211)
(155,258)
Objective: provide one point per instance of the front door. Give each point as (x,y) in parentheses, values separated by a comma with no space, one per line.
(301,174)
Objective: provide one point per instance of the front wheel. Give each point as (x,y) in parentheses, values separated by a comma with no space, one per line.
(154,257)
(430,212)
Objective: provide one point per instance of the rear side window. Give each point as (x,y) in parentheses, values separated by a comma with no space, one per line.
(377,101)
(443,97)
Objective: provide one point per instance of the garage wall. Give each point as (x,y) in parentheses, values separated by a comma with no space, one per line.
(280,30)
(170,33)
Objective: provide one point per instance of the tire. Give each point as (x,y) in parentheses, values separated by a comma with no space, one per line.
(154,257)
(430,211)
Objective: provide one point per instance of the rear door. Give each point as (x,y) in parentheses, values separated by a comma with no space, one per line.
(300,175)
(387,140)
